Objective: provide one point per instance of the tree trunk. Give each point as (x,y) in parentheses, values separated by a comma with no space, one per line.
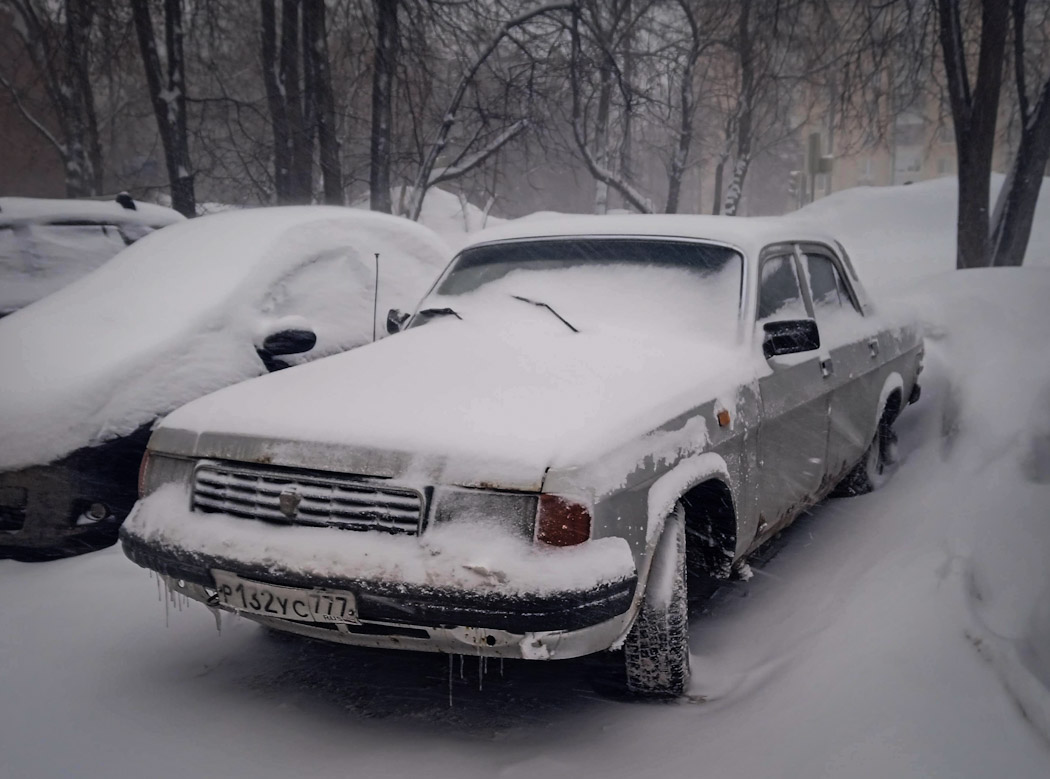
(747,99)
(300,131)
(685,120)
(974,113)
(601,138)
(83,121)
(385,62)
(168,95)
(315,42)
(716,206)
(282,156)
(1015,206)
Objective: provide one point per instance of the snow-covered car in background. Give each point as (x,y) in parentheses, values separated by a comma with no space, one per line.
(195,307)
(46,244)
(580,417)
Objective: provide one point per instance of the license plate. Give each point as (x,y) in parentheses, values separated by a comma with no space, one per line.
(294,603)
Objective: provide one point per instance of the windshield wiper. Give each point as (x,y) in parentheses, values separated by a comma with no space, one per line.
(541,304)
(433,313)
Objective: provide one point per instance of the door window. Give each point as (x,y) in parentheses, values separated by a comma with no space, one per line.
(826,286)
(779,293)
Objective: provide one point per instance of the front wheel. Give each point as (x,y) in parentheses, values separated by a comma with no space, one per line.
(656,651)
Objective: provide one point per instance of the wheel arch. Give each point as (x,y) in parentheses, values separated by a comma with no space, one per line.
(891,397)
(704,487)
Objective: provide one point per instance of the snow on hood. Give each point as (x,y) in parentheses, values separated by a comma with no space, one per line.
(176,315)
(498,396)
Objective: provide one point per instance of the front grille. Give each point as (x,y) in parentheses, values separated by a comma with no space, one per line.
(320,500)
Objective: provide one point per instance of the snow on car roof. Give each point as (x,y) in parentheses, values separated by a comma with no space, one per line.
(34,210)
(747,233)
(176,314)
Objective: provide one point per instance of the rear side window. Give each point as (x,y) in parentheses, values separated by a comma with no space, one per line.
(779,294)
(826,285)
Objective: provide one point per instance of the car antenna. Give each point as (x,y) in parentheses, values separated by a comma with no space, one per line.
(375,302)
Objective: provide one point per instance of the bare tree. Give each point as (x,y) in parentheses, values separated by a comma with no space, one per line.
(1015,207)
(315,53)
(605,26)
(56,39)
(167,89)
(384,66)
(471,154)
(975,108)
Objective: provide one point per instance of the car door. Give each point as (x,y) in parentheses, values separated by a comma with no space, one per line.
(853,350)
(793,432)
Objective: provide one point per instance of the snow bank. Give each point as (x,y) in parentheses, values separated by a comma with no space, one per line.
(898,235)
(177,314)
(471,555)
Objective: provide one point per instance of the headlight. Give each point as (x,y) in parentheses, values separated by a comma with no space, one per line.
(158,469)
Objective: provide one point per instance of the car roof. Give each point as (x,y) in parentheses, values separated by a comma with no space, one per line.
(37,210)
(749,234)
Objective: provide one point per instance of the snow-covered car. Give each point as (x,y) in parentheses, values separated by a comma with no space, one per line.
(188,310)
(579,418)
(46,244)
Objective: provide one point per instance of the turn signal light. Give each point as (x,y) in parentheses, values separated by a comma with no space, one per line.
(143,466)
(562,522)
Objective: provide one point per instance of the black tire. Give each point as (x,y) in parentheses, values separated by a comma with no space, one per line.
(656,651)
(877,463)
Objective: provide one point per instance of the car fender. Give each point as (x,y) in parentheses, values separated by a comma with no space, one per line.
(663,498)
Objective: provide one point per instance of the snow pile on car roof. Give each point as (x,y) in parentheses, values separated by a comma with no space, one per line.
(177,314)
(47,244)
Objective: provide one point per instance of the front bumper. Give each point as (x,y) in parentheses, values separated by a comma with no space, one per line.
(556,625)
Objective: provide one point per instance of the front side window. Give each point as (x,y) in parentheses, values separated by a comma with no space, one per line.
(779,294)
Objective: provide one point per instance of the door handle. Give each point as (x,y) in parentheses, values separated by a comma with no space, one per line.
(826,368)
(873,347)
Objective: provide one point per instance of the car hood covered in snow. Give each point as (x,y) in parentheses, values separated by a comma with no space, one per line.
(451,402)
(176,315)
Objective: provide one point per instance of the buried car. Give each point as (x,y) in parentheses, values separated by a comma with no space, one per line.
(579,418)
(195,307)
(46,244)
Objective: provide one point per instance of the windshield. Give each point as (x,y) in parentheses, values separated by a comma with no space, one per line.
(588,282)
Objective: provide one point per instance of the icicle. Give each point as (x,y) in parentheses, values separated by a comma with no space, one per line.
(461,659)
(481,670)
(501,668)
(450,681)
(167,606)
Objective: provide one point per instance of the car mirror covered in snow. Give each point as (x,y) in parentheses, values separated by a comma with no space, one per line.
(790,336)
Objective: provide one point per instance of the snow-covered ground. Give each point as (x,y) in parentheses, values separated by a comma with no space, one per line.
(904,633)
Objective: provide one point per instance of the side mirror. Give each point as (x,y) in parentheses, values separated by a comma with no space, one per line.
(290,335)
(395,320)
(294,341)
(790,337)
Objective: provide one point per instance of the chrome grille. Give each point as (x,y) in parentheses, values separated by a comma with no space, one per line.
(322,500)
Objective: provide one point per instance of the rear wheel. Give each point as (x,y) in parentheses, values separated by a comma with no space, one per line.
(656,651)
